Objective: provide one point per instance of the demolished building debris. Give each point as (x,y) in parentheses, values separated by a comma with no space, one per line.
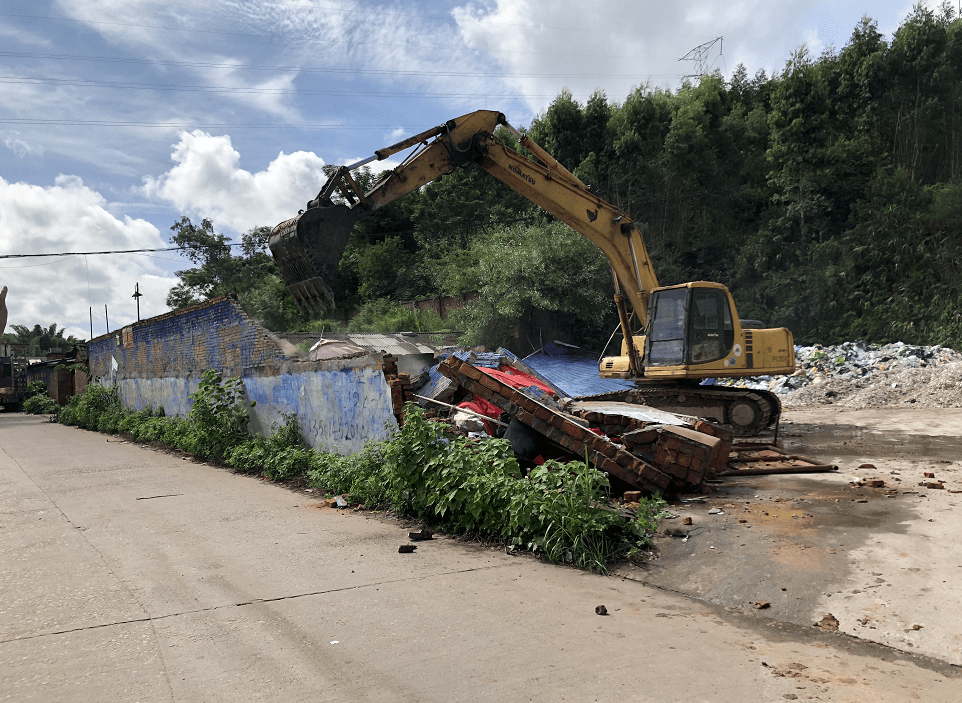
(652,456)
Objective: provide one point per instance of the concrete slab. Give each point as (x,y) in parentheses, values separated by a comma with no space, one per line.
(111,663)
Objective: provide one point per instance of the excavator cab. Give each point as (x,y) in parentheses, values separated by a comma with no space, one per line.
(693,332)
(689,326)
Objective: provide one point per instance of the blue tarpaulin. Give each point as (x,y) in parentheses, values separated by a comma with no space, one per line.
(572,370)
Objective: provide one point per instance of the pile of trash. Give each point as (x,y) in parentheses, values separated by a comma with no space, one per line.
(859,375)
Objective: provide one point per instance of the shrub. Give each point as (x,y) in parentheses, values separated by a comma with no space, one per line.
(219,416)
(35,388)
(40,405)
(558,510)
(85,410)
(280,457)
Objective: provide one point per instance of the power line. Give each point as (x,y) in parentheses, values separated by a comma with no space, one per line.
(82,83)
(112,251)
(314,69)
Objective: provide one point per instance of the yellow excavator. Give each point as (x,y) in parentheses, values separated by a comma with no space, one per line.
(674,337)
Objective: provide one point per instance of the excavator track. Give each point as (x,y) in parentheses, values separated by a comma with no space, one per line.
(746,411)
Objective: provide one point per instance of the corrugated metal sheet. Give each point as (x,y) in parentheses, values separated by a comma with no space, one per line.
(573,370)
(398,345)
(325,349)
(487,360)
(639,412)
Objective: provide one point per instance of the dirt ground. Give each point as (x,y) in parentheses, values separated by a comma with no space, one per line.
(873,545)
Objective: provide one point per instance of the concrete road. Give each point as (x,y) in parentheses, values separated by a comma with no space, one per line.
(131,575)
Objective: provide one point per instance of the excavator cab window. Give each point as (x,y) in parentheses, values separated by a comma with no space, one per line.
(666,330)
(712,333)
(689,326)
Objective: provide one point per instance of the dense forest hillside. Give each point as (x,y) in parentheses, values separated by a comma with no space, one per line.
(828,198)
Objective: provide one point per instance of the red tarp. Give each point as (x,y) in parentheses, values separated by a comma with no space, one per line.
(509,376)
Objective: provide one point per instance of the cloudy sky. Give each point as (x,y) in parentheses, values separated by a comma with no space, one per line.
(119,116)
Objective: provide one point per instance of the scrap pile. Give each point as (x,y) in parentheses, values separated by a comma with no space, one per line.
(486,394)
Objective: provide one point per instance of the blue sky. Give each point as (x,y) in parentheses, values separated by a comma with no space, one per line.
(119,116)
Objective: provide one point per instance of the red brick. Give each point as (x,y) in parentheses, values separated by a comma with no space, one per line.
(542,413)
(575,430)
(471,372)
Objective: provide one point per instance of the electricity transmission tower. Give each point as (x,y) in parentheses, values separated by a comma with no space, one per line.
(703,56)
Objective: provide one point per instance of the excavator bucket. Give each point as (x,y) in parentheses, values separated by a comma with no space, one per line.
(307,249)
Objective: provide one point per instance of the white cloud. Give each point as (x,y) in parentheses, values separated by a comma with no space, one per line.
(207,181)
(71,217)
(21,147)
(547,45)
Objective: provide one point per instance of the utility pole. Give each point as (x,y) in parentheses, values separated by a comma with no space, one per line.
(137,295)
(700,56)
(91,310)
(106,319)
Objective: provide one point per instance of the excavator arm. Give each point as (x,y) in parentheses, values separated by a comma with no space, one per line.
(309,246)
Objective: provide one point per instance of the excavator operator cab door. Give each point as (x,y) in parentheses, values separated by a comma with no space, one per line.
(688,325)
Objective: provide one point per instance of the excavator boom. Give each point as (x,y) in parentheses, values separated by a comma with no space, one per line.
(309,246)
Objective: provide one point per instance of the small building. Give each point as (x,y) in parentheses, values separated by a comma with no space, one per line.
(64,374)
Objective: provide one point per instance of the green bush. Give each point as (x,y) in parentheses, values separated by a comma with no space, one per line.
(35,388)
(85,410)
(40,405)
(219,416)
(280,457)
(216,423)
(386,316)
(558,510)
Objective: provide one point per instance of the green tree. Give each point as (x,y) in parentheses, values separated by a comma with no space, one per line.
(252,275)
(40,340)
(536,278)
